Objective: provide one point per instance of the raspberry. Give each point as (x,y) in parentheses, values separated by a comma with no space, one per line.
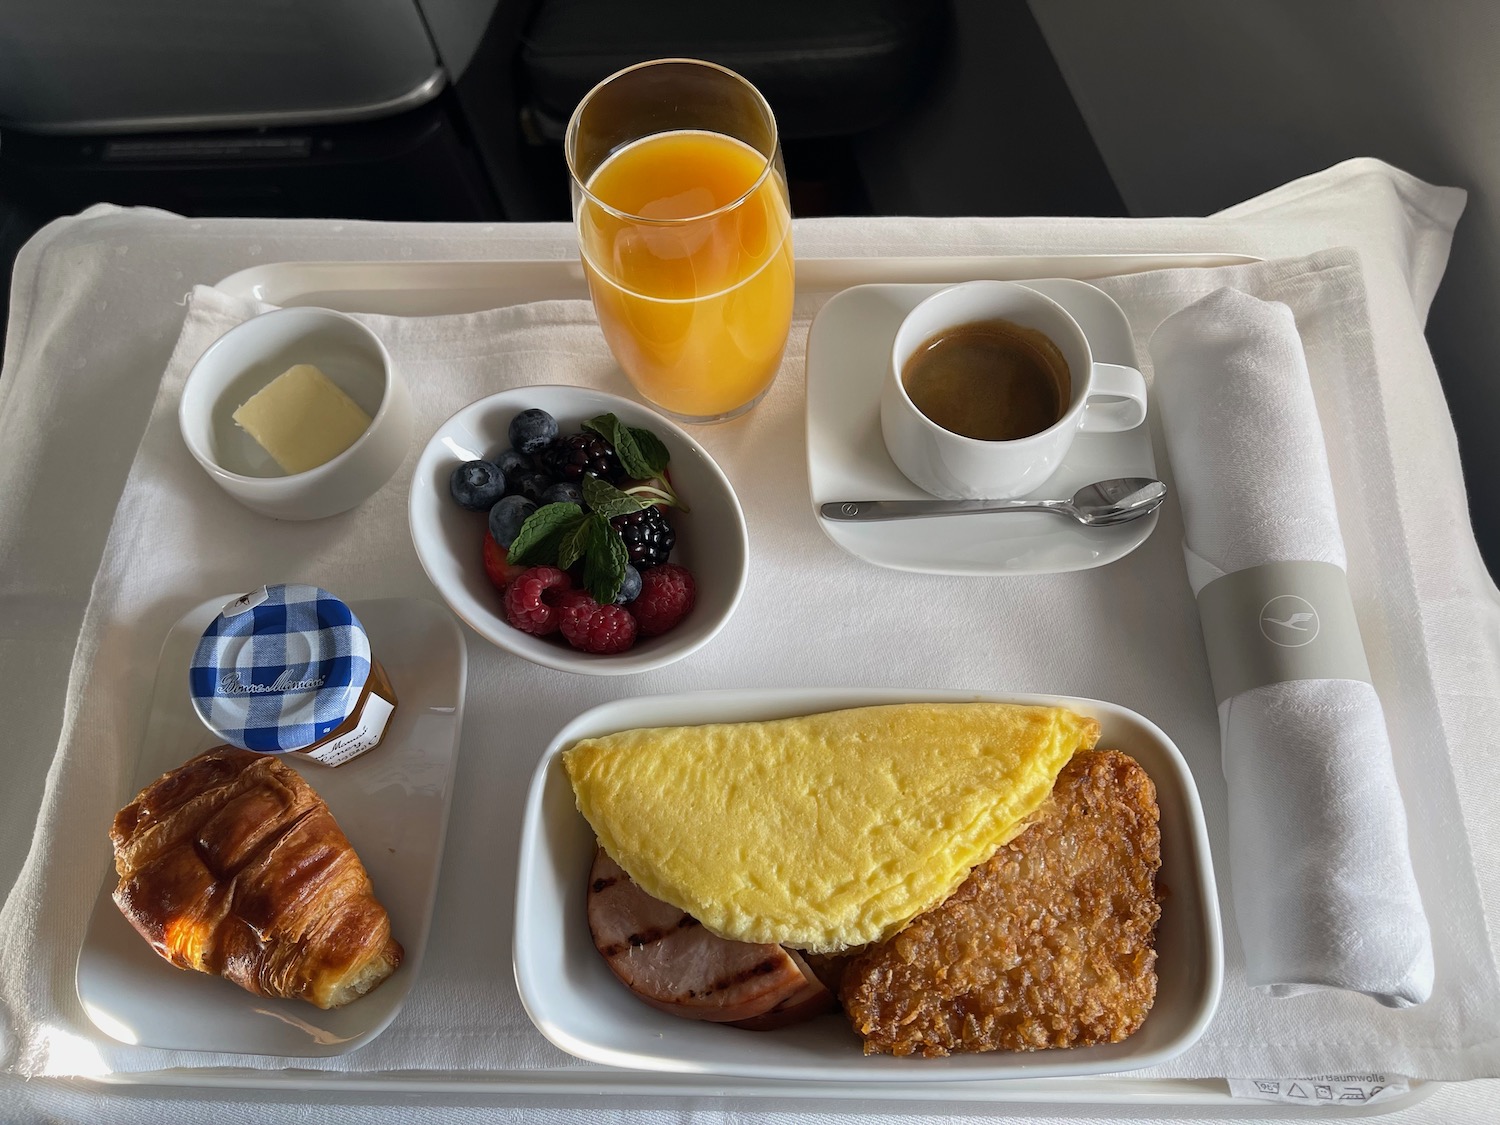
(592,627)
(648,536)
(666,597)
(500,571)
(531,599)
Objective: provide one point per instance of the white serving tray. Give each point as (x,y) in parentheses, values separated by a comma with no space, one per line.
(435,288)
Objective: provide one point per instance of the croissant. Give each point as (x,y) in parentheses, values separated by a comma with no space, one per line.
(232,865)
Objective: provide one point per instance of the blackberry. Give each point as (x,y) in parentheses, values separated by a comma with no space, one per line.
(648,536)
(569,458)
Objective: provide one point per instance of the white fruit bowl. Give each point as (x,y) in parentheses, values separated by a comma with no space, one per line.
(712,541)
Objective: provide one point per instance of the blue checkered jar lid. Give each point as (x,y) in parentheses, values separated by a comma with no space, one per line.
(280,668)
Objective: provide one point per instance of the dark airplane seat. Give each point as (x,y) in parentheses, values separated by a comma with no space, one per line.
(829,69)
(379,109)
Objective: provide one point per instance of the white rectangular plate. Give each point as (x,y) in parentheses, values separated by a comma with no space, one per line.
(392,804)
(576,1002)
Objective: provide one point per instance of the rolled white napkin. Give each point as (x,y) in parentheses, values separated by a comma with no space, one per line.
(1320,870)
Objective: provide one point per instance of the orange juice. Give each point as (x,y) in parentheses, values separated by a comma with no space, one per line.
(689,263)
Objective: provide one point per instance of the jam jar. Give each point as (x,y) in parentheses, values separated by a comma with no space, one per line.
(287,669)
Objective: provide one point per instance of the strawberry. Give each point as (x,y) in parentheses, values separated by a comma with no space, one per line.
(501,572)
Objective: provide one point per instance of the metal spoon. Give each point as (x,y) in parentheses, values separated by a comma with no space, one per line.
(1094,505)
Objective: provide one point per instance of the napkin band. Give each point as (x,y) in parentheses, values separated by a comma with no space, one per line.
(1280,621)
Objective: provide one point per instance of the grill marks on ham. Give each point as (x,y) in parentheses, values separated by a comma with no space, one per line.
(675,965)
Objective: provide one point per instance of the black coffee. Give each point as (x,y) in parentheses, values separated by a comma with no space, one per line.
(991,380)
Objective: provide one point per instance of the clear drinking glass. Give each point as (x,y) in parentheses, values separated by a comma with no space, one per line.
(684,226)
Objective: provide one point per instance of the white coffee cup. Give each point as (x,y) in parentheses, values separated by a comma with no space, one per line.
(1104,397)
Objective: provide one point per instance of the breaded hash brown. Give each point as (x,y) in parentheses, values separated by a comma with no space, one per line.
(1048,944)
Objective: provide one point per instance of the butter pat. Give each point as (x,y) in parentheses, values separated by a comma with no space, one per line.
(302,419)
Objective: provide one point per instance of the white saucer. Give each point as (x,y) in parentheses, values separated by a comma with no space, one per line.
(848,350)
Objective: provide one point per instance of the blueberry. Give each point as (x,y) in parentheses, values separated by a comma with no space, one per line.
(476,485)
(630,588)
(563,492)
(514,465)
(507,516)
(532,430)
(532,485)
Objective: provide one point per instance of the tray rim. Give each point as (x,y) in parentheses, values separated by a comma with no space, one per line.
(1102,1095)
(292,281)
(287,282)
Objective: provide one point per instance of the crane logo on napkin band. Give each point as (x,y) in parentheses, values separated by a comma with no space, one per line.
(1289,621)
(1280,621)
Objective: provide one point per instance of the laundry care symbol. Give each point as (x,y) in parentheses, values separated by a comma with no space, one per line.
(1289,621)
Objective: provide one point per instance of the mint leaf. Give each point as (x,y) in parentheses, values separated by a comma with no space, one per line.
(652,450)
(573,544)
(537,543)
(605,426)
(605,560)
(607,500)
(640,451)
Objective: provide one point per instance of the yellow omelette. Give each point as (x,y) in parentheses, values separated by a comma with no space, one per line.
(822,832)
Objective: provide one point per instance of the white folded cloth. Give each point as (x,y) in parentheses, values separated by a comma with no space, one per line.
(96,313)
(1323,887)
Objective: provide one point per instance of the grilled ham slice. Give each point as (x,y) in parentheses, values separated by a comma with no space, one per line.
(675,965)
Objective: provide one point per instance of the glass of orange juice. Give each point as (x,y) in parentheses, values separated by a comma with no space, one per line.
(680,202)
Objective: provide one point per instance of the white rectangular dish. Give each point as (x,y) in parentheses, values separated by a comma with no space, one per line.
(575,1001)
(391,803)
